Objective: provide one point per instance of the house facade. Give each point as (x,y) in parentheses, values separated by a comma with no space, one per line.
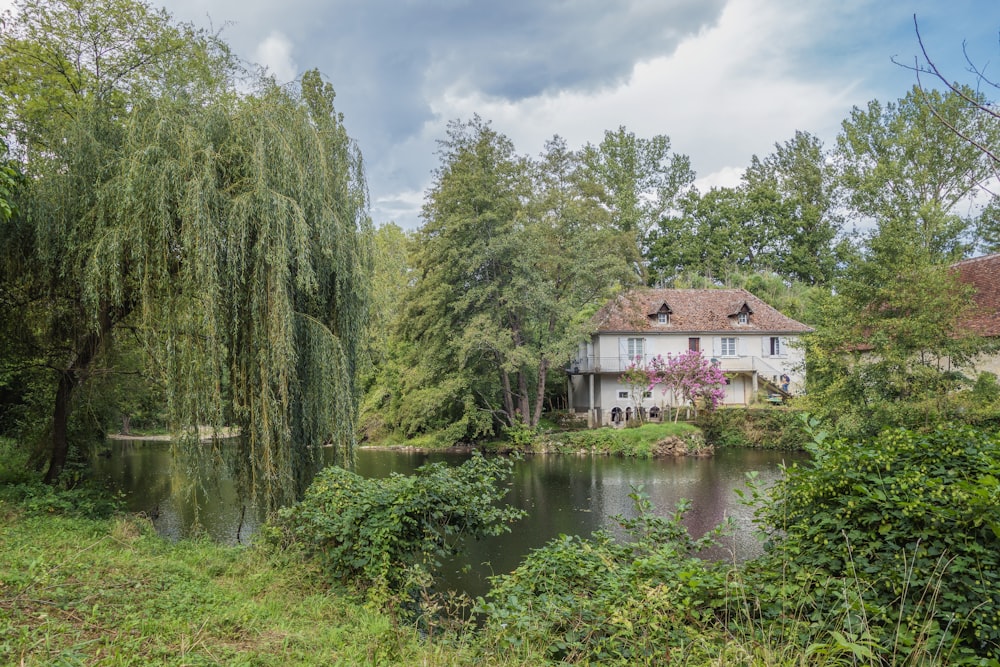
(753,343)
(983,274)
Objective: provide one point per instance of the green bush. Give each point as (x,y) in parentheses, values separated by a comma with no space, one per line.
(605,601)
(899,535)
(86,501)
(763,428)
(638,442)
(384,534)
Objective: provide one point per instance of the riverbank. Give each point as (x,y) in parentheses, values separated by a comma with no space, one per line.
(111,592)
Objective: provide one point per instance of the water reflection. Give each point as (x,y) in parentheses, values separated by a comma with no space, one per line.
(562,494)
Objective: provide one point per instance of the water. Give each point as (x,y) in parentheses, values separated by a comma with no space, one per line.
(563,494)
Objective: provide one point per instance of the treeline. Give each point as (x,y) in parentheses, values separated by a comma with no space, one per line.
(478,307)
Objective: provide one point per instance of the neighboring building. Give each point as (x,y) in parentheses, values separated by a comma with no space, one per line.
(751,341)
(983,273)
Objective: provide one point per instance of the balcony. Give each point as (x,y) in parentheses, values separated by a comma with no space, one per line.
(618,364)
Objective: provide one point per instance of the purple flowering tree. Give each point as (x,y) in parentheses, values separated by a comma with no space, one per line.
(689,376)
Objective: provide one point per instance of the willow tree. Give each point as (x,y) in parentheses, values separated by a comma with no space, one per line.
(229,230)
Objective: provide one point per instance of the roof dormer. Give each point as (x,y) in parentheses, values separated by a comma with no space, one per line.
(660,314)
(742,313)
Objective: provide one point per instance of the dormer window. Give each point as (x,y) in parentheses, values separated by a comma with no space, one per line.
(661,312)
(742,312)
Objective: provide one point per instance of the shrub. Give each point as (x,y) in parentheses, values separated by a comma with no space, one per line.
(385,533)
(764,428)
(605,601)
(902,534)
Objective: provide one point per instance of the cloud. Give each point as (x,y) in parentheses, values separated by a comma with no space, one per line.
(275,53)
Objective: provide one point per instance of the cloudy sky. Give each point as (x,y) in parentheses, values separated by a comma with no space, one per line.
(724,79)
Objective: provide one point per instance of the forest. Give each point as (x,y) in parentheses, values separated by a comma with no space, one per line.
(186,247)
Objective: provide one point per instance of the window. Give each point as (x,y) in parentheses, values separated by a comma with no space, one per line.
(775,346)
(743,318)
(647,394)
(636,348)
(623,394)
(694,344)
(663,318)
(727,347)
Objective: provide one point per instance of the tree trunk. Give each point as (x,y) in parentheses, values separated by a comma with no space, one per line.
(508,399)
(543,370)
(523,398)
(68,379)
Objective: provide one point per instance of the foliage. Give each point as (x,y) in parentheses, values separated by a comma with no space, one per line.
(601,600)
(384,534)
(512,255)
(904,166)
(87,500)
(639,442)
(901,533)
(77,591)
(782,218)
(228,231)
(638,180)
(763,428)
(691,376)
(986,390)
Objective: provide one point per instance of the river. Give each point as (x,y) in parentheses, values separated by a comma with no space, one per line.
(562,494)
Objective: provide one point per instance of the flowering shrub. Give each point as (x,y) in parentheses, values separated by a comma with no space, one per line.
(690,376)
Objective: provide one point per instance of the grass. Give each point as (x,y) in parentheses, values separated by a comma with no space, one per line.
(111,592)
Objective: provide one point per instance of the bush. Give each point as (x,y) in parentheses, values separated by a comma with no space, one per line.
(387,533)
(763,428)
(604,601)
(900,534)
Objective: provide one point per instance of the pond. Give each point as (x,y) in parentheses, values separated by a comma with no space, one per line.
(562,494)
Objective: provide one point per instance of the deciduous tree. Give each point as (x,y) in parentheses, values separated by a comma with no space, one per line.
(230,230)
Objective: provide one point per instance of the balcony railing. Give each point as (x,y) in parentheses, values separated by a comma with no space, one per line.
(618,364)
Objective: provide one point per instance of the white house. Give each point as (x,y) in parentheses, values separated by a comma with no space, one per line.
(753,343)
(983,275)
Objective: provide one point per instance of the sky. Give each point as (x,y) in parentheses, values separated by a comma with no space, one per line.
(723,79)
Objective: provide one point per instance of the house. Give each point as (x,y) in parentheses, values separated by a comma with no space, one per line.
(754,344)
(983,274)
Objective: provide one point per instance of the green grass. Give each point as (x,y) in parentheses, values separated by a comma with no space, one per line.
(111,592)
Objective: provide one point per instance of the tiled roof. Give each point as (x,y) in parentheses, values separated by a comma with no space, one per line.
(983,273)
(692,311)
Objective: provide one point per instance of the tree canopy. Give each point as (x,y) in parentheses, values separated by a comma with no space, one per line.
(228,231)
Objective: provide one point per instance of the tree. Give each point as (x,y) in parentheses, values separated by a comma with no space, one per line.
(798,182)
(981,135)
(781,218)
(513,255)
(691,376)
(907,172)
(230,231)
(639,181)
(638,380)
